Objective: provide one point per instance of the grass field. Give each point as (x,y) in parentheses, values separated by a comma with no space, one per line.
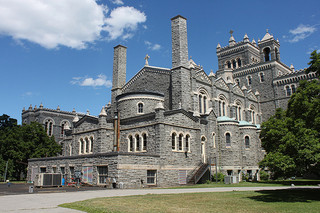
(298,182)
(290,200)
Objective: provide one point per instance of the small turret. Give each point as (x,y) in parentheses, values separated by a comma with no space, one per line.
(103,112)
(232,41)
(246,38)
(76,119)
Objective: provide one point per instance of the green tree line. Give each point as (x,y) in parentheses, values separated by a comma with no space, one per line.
(18,143)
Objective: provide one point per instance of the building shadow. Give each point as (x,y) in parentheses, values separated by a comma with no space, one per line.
(288,195)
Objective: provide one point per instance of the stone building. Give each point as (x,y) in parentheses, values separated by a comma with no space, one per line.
(170,126)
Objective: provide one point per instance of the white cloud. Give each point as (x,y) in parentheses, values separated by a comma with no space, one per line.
(118,2)
(98,82)
(123,21)
(70,23)
(301,32)
(152,46)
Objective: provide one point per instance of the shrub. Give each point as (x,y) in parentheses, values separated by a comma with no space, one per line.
(220,177)
(264,175)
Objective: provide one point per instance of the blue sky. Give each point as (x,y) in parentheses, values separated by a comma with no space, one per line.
(60,52)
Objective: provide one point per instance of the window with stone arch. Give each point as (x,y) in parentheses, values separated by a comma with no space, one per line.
(238,110)
(261,76)
(228,64)
(64,124)
(266,53)
(188,149)
(140,108)
(173,141)
(138,143)
(222,105)
(249,79)
(288,91)
(180,142)
(237,81)
(145,141)
(247,142)
(81,146)
(234,64)
(214,140)
(228,139)
(293,88)
(239,62)
(252,110)
(48,126)
(130,143)
(87,145)
(91,144)
(203,101)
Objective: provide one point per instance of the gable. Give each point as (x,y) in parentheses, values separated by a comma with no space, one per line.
(221,84)
(251,96)
(87,122)
(236,90)
(202,77)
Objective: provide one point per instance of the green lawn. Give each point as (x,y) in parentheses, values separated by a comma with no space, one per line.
(290,200)
(298,182)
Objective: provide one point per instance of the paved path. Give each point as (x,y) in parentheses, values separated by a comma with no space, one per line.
(48,202)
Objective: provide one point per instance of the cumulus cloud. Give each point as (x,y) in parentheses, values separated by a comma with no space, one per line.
(90,82)
(152,46)
(118,2)
(301,32)
(70,23)
(123,21)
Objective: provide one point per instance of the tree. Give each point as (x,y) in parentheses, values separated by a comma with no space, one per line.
(20,143)
(291,137)
(6,121)
(314,63)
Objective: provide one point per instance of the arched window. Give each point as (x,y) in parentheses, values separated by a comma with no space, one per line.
(247,142)
(137,143)
(144,147)
(188,143)
(87,145)
(200,104)
(173,141)
(239,62)
(140,108)
(234,64)
(91,144)
(261,77)
(228,139)
(203,149)
(203,102)
(293,88)
(252,114)
(214,140)
(266,53)
(238,111)
(288,91)
(48,126)
(249,80)
(228,64)
(180,142)
(222,106)
(81,146)
(130,147)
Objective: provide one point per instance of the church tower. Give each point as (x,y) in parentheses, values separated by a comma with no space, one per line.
(181,75)
(269,48)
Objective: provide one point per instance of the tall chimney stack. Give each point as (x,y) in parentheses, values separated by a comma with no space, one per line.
(179,42)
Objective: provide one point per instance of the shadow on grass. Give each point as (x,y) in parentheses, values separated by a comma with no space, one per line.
(295,182)
(288,195)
